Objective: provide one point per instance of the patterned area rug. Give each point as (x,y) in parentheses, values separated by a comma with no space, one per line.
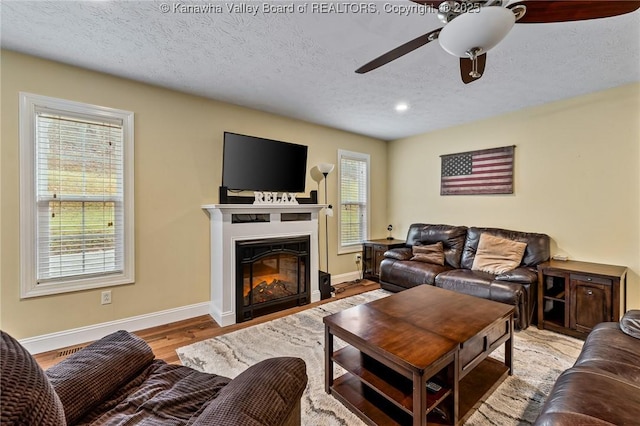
(539,357)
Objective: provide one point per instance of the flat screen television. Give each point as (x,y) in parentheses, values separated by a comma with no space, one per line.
(256,164)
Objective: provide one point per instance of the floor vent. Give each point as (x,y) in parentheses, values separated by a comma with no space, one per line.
(67,352)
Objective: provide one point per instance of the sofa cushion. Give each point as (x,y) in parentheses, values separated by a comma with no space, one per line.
(591,397)
(162,393)
(399,253)
(537,250)
(27,397)
(474,283)
(630,323)
(497,255)
(430,253)
(603,386)
(607,348)
(452,237)
(583,396)
(88,376)
(408,273)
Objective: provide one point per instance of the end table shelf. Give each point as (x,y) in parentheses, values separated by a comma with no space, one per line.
(397,388)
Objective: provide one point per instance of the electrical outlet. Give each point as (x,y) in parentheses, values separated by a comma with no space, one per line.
(105,297)
(358,258)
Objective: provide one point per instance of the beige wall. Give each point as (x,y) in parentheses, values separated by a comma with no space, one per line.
(178,148)
(577,178)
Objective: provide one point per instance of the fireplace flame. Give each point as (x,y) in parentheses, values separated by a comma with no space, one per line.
(263,283)
(269,287)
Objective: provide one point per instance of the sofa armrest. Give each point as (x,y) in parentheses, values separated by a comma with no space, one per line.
(400,253)
(265,394)
(89,376)
(522,274)
(26,395)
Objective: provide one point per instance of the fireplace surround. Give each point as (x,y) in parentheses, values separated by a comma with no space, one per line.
(231,224)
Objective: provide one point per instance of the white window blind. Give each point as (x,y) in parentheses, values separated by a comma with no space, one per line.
(354,192)
(79,195)
(76,196)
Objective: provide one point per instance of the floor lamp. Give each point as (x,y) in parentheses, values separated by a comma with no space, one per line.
(325,169)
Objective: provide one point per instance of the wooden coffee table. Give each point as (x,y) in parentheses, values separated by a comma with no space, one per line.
(397,344)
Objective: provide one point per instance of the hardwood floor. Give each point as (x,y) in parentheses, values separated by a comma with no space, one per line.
(165,339)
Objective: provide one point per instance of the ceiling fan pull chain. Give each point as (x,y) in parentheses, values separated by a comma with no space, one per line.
(474,68)
(473,55)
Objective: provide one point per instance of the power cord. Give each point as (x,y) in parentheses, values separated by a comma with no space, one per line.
(360,271)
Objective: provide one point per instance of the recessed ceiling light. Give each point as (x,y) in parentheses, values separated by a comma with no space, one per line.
(402,107)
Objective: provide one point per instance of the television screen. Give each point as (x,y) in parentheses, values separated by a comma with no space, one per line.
(256,164)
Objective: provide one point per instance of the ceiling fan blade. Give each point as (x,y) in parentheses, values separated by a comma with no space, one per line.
(466,66)
(399,51)
(573,10)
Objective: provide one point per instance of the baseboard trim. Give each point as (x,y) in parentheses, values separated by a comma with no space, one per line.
(343,278)
(77,336)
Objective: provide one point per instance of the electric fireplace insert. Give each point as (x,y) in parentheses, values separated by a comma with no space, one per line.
(271,275)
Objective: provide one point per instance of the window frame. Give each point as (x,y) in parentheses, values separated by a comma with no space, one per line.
(29,286)
(353,248)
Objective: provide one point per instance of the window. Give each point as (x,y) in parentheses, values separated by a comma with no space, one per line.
(353,170)
(76,196)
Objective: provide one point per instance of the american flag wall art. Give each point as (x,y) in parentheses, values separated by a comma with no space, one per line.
(488,171)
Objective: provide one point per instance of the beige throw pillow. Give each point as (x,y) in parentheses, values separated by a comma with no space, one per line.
(497,255)
(432,253)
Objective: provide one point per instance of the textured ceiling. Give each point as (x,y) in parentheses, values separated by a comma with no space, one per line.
(301,64)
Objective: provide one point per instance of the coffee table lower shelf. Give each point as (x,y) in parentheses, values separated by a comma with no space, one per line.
(375,409)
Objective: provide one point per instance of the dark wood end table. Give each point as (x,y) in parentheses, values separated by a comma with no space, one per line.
(574,296)
(373,253)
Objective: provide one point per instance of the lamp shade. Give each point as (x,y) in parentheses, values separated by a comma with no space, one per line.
(482,29)
(325,168)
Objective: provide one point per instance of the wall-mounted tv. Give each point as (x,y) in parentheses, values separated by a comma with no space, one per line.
(256,164)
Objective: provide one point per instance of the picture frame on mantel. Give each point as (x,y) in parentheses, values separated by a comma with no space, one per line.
(486,171)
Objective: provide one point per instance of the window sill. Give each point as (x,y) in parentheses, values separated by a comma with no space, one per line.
(52,288)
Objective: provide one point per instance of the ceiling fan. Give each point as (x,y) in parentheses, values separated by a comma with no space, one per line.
(473,27)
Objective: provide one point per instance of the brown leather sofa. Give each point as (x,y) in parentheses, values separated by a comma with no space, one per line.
(603,386)
(117,381)
(516,287)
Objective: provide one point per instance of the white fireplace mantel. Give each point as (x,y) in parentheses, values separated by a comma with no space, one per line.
(224,234)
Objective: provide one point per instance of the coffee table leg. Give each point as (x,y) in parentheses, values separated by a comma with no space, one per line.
(328,364)
(419,400)
(508,348)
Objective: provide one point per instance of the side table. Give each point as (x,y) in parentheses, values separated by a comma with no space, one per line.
(372,255)
(575,296)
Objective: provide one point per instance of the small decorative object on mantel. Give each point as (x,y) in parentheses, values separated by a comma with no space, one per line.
(487,171)
(274,198)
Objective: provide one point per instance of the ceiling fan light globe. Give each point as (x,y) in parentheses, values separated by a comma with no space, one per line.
(482,29)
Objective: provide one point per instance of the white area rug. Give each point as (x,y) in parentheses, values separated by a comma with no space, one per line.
(539,357)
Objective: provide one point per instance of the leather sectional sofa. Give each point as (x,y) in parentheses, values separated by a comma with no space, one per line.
(603,386)
(517,286)
(116,380)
